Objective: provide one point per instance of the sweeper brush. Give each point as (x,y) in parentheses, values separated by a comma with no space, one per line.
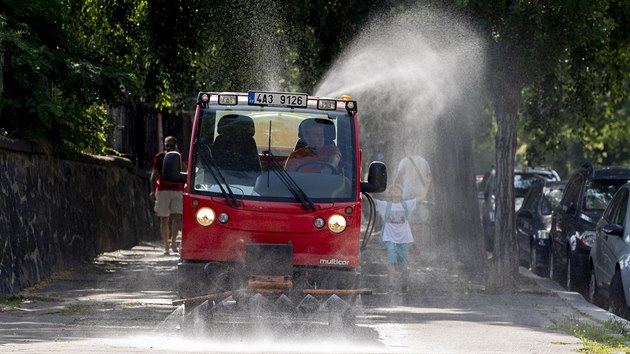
(273,299)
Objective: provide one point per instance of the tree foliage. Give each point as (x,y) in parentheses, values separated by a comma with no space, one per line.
(557,70)
(52,86)
(583,99)
(561,67)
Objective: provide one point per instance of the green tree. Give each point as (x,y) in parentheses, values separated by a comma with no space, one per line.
(585,97)
(53,88)
(555,61)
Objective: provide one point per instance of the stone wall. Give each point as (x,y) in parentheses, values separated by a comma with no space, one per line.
(56,213)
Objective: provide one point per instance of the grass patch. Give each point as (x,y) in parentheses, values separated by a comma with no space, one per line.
(76,310)
(9,303)
(13,301)
(611,336)
(51,278)
(463,282)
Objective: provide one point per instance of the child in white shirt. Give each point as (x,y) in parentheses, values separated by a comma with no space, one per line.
(396,234)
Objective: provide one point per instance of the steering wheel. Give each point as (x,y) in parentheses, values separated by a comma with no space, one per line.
(324,164)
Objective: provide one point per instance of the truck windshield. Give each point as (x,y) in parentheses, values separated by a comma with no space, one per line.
(317,150)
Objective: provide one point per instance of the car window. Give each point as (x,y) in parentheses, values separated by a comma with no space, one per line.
(619,216)
(531,199)
(598,194)
(609,213)
(551,200)
(523,182)
(486,184)
(572,192)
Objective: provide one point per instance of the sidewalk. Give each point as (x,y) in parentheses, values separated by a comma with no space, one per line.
(429,276)
(126,290)
(130,292)
(573,299)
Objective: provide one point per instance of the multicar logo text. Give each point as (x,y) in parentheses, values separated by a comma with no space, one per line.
(333,261)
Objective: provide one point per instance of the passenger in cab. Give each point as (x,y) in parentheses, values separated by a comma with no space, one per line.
(316,151)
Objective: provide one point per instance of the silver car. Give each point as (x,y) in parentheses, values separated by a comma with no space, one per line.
(610,257)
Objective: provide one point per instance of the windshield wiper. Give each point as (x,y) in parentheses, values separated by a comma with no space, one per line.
(289,182)
(208,161)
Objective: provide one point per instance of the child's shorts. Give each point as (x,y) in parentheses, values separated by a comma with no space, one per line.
(398,254)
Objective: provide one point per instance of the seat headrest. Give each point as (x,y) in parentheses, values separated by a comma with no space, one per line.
(237,125)
(329,128)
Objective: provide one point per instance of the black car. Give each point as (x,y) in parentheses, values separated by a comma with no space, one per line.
(586,195)
(523,179)
(609,273)
(533,222)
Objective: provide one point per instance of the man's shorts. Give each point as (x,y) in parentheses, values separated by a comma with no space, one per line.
(168,202)
(398,254)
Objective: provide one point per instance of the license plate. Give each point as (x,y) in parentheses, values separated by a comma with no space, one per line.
(277,99)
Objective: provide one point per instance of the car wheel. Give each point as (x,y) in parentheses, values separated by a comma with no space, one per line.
(552,266)
(572,280)
(568,284)
(519,254)
(593,295)
(533,260)
(545,270)
(617,298)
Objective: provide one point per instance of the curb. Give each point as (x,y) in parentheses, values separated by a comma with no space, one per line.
(573,299)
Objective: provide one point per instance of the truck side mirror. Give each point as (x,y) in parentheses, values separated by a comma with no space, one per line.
(377,178)
(172,167)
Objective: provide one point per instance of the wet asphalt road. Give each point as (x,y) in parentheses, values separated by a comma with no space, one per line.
(122,303)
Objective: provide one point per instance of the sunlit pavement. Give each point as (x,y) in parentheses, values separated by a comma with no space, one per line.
(122,303)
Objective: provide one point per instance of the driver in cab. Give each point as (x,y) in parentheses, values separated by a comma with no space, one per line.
(315,151)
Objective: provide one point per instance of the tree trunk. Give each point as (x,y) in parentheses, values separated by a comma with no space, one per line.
(505,258)
(455,223)
(1,69)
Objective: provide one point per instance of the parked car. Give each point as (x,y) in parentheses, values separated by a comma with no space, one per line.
(533,222)
(609,271)
(523,179)
(586,195)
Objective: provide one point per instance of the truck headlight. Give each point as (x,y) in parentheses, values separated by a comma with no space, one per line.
(336,223)
(205,216)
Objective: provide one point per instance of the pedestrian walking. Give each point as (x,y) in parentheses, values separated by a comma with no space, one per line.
(168,199)
(414,174)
